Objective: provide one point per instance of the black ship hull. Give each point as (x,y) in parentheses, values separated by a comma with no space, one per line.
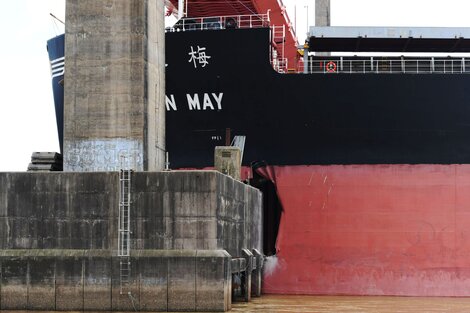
(307,119)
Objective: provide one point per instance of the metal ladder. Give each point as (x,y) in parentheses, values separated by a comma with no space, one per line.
(124,230)
(278,59)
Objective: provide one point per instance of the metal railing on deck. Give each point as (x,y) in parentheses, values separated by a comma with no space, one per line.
(221,22)
(383,65)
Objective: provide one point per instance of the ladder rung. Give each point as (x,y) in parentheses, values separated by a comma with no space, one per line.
(124,227)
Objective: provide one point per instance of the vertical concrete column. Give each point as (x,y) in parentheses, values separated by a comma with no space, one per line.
(322,18)
(246,283)
(257,276)
(114,85)
(322,13)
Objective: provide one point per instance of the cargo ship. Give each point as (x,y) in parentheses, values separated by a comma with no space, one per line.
(364,162)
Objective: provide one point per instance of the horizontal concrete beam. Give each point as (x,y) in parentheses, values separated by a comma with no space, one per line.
(89,280)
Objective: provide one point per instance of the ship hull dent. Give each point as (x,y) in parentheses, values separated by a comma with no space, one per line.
(372,230)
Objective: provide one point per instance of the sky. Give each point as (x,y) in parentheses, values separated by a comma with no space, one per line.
(27,117)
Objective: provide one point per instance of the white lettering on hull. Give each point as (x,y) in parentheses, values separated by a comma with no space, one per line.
(193,102)
(170,103)
(210,102)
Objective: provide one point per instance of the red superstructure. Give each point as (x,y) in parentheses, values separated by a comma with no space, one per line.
(274,8)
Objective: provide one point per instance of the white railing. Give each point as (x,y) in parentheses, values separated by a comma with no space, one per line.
(391,66)
(280,65)
(278,46)
(221,22)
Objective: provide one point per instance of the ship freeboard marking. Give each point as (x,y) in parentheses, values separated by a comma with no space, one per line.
(210,101)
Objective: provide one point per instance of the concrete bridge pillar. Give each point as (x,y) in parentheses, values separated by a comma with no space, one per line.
(322,13)
(114,85)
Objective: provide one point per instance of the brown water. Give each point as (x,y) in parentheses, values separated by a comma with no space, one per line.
(320,304)
(339,304)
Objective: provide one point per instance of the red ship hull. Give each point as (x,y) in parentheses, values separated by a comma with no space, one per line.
(372,230)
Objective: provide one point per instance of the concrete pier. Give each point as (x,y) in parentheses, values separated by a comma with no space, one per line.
(88,280)
(191,210)
(114,85)
(58,240)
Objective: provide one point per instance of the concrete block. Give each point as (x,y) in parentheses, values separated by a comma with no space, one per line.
(255,208)
(257,276)
(167,234)
(208,244)
(246,281)
(19,233)
(47,233)
(4,240)
(153,283)
(207,228)
(184,204)
(129,299)
(5,181)
(227,160)
(212,289)
(63,233)
(81,234)
(190,244)
(182,281)
(45,157)
(99,231)
(45,211)
(228,285)
(14,291)
(41,291)
(97,283)
(168,203)
(152,233)
(186,228)
(69,283)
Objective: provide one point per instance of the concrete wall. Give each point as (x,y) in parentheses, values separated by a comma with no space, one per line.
(114,85)
(58,240)
(58,210)
(161,280)
(170,210)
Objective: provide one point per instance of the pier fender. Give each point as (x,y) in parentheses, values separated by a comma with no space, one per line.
(257,274)
(246,279)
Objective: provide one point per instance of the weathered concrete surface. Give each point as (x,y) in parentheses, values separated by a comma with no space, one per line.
(58,233)
(227,160)
(153,281)
(322,13)
(14,284)
(114,85)
(58,210)
(213,282)
(69,290)
(182,286)
(201,210)
(162,280)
